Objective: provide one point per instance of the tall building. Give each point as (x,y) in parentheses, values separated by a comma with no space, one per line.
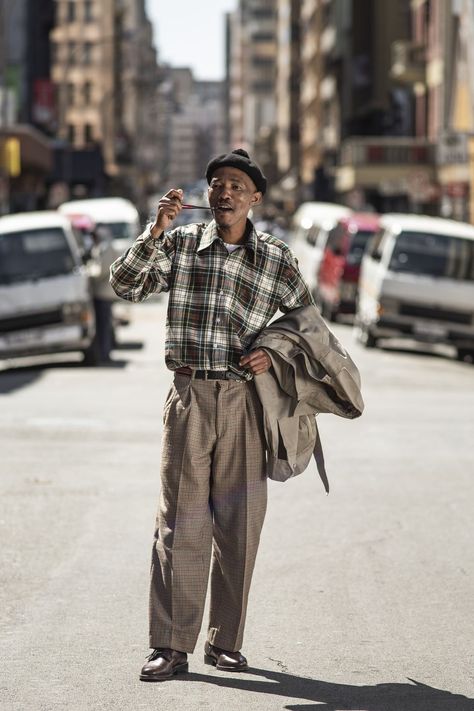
(380,162)
(26,104)
(288,92)
(106,76)
(195,126)
(253,55)
(310,100)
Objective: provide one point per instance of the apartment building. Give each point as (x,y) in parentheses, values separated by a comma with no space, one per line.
(27,115)
(106,76)
(196,126)
(252,78)
(288,92)
(382,161)
(447,105)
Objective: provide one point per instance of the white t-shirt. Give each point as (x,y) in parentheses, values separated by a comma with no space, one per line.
(231,247)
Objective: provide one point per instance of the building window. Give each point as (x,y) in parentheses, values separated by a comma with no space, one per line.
(87,53)
(71,11)
(88,133)
(263,37)
(88,14)
(71,53)
(87,93)
(71,133)
(71,94)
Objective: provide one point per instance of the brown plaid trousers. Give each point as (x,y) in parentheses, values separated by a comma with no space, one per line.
(213,499)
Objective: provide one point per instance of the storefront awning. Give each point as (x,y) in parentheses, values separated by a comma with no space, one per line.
(35,148)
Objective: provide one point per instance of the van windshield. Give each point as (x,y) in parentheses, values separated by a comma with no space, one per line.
(119,230)
(34,254)
(357,246)
(433,255)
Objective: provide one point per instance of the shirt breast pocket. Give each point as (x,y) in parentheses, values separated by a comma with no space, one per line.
(250,312)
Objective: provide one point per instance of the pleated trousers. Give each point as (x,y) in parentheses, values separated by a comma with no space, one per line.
(212,505)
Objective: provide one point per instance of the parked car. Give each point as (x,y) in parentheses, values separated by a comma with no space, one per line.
(338,276)
(45,296)
(417,281)
(310,227)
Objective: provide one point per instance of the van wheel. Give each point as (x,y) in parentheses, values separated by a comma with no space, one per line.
(92,354)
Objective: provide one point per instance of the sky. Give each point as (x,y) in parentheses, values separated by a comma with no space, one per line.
(190,33)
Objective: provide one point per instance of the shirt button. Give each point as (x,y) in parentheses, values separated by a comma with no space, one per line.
(215,345)
(218,320)
(221,293)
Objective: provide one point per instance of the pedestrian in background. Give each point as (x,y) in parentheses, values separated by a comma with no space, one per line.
(225,281)
(102,292)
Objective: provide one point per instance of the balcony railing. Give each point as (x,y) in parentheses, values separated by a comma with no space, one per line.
(387,151)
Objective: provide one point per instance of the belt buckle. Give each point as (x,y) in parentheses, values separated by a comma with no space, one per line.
(233,376)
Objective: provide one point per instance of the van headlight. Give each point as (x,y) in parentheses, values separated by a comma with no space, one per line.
(77,312)
(387,306)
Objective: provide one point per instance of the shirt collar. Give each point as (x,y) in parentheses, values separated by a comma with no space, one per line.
(210,235)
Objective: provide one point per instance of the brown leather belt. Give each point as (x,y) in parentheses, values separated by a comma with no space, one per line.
(210,374)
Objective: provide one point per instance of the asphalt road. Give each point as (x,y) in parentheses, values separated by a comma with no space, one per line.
(362,600)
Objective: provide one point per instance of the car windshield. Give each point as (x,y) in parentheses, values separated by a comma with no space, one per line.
(433,255)
(357,246)
(34,254)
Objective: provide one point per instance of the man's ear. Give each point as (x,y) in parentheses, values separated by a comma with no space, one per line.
(256,198)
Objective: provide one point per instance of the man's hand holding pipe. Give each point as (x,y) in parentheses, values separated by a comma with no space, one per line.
(169,208)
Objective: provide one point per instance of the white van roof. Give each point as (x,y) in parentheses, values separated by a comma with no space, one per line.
(33,220)
(111,209)
(319,212)
(422,223)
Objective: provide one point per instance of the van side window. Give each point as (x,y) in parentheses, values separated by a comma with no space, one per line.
(375,246)
(335,239)
(312,235)
(437,255)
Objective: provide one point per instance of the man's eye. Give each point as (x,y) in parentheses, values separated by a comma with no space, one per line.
(237,187)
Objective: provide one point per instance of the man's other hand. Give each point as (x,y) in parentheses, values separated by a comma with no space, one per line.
(257,361)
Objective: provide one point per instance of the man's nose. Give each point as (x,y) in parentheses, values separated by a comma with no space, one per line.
(225,192)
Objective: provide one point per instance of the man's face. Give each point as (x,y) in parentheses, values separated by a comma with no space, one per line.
(231,195)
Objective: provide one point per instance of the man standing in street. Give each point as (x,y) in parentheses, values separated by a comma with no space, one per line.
(225,281)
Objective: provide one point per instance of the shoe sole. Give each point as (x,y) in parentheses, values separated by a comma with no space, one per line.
(180,669)
(213,663)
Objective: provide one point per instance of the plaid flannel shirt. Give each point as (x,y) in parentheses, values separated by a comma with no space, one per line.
(218,302)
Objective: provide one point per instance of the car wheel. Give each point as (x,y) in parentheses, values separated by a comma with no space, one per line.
(465,353)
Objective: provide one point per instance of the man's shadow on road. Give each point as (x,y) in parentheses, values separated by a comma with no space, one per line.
(327,696)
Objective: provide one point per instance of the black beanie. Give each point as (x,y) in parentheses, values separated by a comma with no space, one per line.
(239,159)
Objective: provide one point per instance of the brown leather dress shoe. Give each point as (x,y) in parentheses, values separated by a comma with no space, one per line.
(224,660)
(163,664)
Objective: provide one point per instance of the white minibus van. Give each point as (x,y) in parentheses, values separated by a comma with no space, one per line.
(417,282)
(45,296)
(119,215)
(310,226)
